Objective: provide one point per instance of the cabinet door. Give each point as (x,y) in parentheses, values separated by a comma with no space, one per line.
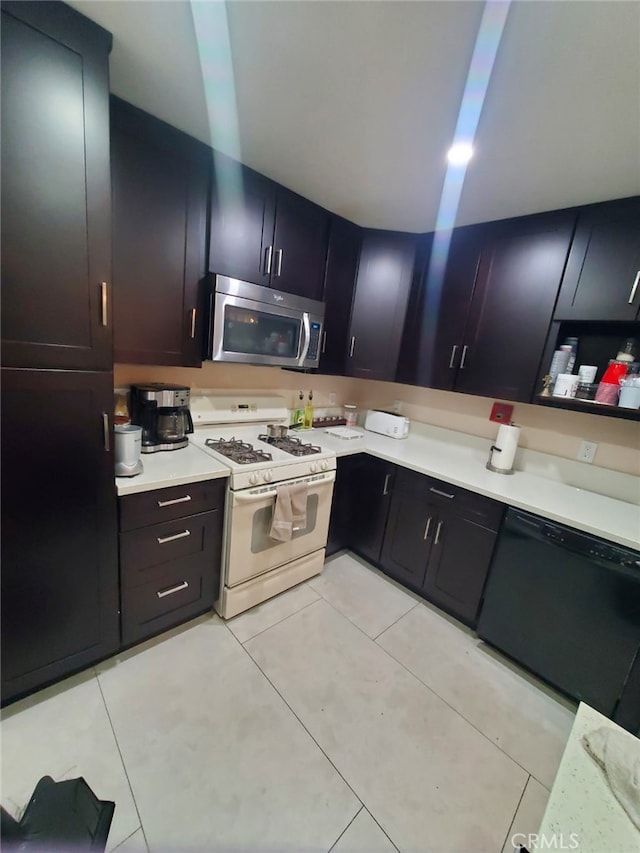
(458,565)
(299,246)
(409,535)
(160,180)
(514,296)
(56,252)
(340,521)
(380,303)
(342,267)
(242,221)
(59,526)
(602,280)
(371,484)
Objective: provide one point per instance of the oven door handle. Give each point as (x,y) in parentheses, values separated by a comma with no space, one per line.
(306,327)
(240,498)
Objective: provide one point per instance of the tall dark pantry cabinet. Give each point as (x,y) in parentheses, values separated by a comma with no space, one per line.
(59,526)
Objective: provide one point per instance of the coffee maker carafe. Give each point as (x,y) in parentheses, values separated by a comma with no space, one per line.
(163,413)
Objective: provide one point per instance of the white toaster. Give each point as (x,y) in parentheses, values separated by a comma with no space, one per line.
(387,423)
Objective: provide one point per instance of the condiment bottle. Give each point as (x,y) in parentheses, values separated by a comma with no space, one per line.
(308,412)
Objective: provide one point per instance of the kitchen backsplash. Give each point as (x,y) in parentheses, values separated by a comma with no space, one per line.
(553,431)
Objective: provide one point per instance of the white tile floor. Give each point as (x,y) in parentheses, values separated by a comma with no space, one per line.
(345,715)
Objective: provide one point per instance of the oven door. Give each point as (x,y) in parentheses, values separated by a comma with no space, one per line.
(250,551)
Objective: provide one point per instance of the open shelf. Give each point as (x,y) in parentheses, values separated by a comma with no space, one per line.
(589,406)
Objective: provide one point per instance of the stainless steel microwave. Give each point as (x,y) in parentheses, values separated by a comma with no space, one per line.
(251,324)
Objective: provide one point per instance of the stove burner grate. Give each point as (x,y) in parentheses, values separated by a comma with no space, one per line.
(238,451)
(291,444)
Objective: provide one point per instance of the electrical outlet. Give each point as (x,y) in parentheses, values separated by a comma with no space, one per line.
(587,451)
(332,398)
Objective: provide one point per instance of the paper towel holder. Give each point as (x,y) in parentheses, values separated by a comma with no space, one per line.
(493,467)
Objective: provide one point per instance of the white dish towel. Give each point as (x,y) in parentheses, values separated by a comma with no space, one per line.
(289,512)
(618,754)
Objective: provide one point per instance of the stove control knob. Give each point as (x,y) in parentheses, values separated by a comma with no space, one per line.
(254,479)
(314,467)
(267,476)
(324,465)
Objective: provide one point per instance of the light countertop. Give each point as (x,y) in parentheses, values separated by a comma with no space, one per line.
(581,801)
(450,456)
(172,468)
(460,460)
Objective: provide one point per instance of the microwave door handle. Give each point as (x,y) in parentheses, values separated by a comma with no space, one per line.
(306,340)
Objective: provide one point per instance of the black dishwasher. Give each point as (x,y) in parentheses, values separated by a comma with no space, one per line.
(566,605)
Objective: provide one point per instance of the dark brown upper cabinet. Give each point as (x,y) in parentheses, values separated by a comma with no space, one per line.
(385,273)
(263,233)
(483,324)
(160,183)
(56,240)
(602,280)
(345,239)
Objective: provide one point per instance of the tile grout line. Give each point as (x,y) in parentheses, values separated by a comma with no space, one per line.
(345,829)
(124,766)
(460,714)
(381,829)
(509,833)
(413,607)
(259,668)
(253,636)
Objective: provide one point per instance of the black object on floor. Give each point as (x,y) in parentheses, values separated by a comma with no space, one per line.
(64,815)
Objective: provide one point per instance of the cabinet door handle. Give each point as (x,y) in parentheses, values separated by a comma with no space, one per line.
(464,356)
(426,529)
(268,257)
(105,432)
(636,280)
(352,347)
(278,271)
(438,529)
(162,540)
(103,302)
(442,494)
(194,312)
(324,341)
(175,501)
(453,356)
(172,589)
(385,490)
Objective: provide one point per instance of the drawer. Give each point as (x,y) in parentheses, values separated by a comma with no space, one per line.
(185,544)
(482,510)
(167,504)
(158,605)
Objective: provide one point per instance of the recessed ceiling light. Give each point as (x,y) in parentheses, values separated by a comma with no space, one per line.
(460,153)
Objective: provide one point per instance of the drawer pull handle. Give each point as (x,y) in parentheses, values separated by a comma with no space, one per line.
(162,540)
(442,494)
(183,500)
(438,529)
(173,589)
(634,288)
(426,529)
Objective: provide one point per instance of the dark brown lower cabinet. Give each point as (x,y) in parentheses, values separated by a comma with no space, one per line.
(370,483)
(169,556)
(59,526)
(439,540)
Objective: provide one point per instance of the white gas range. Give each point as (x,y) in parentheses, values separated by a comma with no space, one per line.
(234,429)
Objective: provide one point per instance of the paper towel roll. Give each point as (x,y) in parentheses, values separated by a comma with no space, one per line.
(507,441)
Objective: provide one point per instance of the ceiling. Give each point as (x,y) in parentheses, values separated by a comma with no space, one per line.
(354,104)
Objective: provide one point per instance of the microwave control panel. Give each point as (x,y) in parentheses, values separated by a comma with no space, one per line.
(314,341)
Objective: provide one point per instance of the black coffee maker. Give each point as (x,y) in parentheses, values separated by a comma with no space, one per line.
(163,413)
